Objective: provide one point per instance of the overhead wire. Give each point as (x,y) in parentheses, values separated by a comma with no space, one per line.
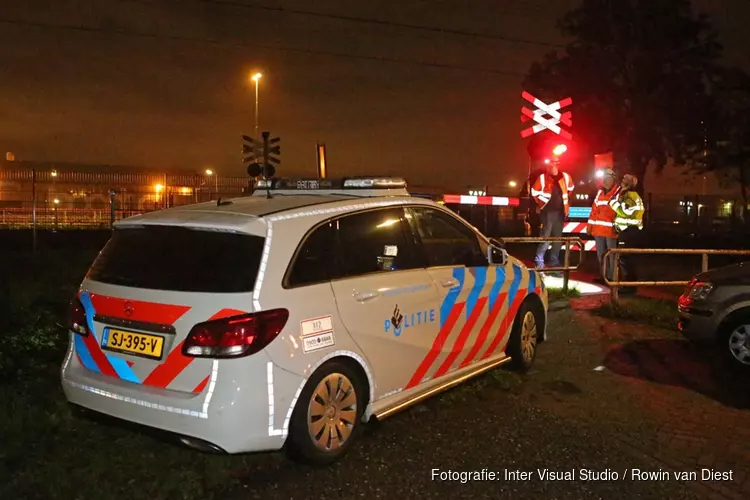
(367,20)
(213,41)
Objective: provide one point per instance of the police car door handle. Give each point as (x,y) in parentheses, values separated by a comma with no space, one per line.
(365,296)
(449,283)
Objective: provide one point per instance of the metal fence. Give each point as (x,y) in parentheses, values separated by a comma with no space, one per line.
(51,199)
(568,244)
(617,252)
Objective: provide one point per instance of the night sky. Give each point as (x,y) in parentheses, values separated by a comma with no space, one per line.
(163,101)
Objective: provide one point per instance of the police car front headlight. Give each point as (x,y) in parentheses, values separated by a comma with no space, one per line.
(700,291)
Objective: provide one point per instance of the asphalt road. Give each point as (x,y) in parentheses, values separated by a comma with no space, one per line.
(562,416)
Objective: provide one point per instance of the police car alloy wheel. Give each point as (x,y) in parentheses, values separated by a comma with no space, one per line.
(524,336)
(328,414)
(332,412)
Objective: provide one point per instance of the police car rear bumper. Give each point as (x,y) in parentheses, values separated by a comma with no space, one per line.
(236,412)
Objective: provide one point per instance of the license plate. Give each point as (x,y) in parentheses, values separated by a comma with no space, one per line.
(138,344)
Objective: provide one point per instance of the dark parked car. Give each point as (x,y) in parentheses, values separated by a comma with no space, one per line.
(716,307)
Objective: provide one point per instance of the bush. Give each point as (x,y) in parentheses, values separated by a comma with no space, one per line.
(33,342)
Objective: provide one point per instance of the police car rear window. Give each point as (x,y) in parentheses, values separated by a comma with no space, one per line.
(179,259)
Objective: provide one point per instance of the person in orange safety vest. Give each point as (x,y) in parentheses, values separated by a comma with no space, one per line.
(602,221)
(551,192)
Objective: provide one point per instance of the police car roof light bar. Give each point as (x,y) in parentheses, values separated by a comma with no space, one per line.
(375,182)
(314,184)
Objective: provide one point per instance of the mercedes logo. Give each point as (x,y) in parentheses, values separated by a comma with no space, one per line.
(128,309)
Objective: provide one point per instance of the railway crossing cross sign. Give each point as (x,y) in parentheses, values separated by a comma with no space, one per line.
(262,154)
(546,116)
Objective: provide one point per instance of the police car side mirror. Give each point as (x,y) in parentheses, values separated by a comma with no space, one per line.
(496,254)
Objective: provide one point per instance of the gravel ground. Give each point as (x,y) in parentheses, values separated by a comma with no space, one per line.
(562,416)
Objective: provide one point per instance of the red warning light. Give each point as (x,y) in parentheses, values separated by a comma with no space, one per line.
(559,149)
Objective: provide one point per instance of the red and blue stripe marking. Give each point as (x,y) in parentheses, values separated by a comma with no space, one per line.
(474,307)
(120,367)
(496,301)
(451,310)
(516,297)
(94,358)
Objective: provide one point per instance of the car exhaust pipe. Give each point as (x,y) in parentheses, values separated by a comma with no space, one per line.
(200,445)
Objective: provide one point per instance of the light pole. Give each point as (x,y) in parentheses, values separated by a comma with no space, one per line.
(209,173)
(159,188)
(256,78)
(52,190)
(56,202)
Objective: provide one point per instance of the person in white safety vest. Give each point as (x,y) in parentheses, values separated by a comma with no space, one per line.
(551,192)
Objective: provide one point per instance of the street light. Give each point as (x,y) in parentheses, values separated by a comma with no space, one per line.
(56,202)
(256,78)
(512,184)
(54,179)
(210,172)
(159,188)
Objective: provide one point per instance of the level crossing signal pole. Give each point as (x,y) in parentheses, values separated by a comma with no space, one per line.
(261,155)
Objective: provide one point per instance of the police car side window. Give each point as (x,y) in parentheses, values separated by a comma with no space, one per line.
(446,240)
(313,260)
(371,242)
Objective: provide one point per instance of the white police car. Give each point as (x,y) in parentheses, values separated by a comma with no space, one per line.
(292,316)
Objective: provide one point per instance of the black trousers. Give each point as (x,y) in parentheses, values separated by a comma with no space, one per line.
(629,238)
(552,226)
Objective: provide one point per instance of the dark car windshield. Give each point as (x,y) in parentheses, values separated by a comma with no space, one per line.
(179,259)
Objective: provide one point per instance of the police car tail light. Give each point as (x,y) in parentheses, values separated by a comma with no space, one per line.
(77,318)
(235,336)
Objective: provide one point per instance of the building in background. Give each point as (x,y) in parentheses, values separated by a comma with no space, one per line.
(71,194)
(88,186)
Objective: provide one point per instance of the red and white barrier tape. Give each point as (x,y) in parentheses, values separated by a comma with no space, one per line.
(499,201)
(575,227)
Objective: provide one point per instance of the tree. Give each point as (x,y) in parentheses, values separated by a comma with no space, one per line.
(638,72)
(726,151)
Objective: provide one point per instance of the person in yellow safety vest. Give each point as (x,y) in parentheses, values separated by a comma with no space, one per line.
(551,192)
(601,223)
(629,209)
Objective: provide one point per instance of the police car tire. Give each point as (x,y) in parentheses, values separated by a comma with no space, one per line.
(515,342)
(299,446)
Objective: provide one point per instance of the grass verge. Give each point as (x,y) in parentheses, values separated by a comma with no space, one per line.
(660,313)
(555,294)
